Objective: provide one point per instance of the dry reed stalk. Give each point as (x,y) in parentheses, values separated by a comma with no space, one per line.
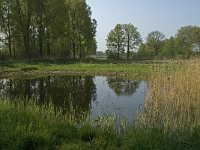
(173,101)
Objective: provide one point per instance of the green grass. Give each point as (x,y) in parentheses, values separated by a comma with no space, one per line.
(131,70)
(38,127)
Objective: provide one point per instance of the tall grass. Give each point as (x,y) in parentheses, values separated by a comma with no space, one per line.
(173,100)
(29,126)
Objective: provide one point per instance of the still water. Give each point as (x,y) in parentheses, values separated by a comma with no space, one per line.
(95,95)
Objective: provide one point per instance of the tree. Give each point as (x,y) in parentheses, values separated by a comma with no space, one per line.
(40,23)
(188,39)
(6,21)
(24,10)
(86,28)
(170,48)
(155,41)
(115,42)
(82,29)
(57,28)
(144,53)
(132,37)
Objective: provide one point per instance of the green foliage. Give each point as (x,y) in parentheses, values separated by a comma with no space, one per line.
(37,127)
(122,36)
(56,28)
(185,43)
(132,37)
(144,53)
(115,42)
(155,42)
(87,133)
(188,39)
(170,48)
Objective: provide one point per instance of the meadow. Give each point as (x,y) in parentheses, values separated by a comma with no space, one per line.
(169,120)
(131,69)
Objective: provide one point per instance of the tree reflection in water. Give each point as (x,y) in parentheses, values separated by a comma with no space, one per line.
(79,91)
(123,87)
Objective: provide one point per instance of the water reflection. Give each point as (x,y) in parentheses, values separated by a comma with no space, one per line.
(97,95)
(62,91)
(122,86)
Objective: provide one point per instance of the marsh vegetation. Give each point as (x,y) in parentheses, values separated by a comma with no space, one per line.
(169,118)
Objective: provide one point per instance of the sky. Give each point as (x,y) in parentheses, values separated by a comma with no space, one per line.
(166,16)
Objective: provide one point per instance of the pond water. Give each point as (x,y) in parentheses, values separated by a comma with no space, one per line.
(98,95)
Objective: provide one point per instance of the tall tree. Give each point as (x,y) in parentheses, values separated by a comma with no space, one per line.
(170,48)
(55,28)
(82,29)
(188,39)
(132,37)
(40,22)
(116,42)
(155,41)
(24,14)
(6,21)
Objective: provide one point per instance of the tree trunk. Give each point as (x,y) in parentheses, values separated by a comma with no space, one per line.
(9,33)
(48,48)
(118,48)
(14,54)
(7,28)
(41,42)
(10,45)
(80,50)
(74,49)
(25,25)
(26,45)
(41,47)
(41,31)
(128,47)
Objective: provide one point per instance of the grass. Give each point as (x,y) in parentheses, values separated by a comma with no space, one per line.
(131,70)
(170,120)
(38,127)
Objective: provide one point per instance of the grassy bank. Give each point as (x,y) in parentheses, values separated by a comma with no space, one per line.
(123,69)
(34,127)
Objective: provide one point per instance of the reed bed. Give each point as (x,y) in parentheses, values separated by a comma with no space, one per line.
(173,100)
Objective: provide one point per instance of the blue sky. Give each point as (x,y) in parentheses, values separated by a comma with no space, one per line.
(166,16)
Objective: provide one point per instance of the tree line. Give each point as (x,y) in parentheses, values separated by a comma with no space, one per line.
(47,28)
(124,42)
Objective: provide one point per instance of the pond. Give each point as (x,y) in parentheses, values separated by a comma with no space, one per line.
(96,95)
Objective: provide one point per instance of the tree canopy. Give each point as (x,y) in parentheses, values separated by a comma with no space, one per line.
(116,42)
(155,41)
(53,28)
(122,37)
(188,39)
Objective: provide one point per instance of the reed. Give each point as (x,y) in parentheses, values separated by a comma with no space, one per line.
(173,100)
